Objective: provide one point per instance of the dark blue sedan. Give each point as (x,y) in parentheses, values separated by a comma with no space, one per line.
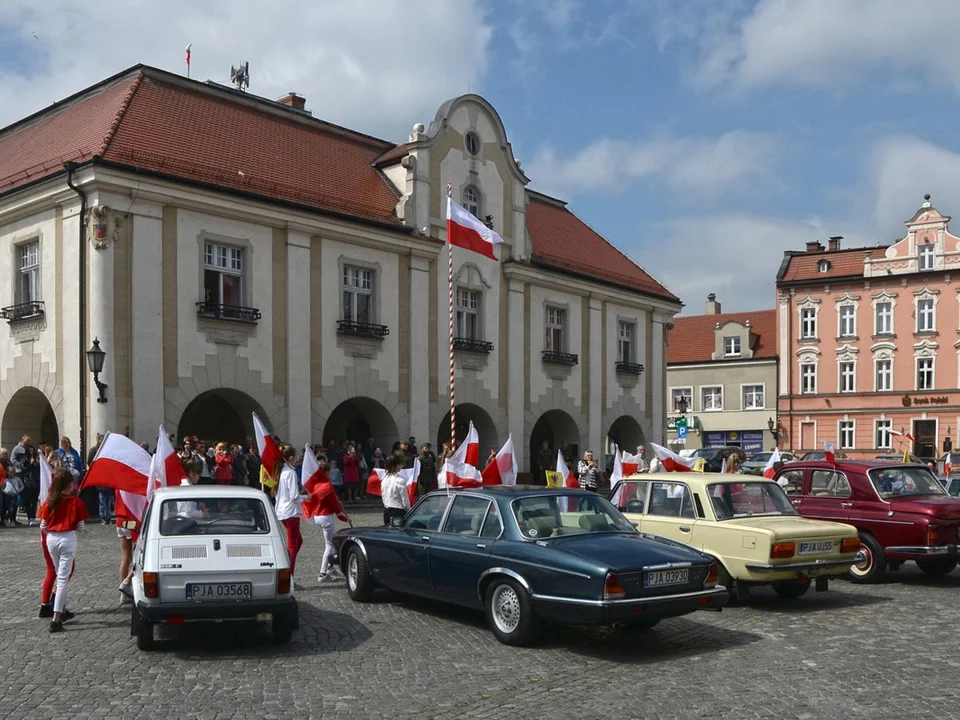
(527,555)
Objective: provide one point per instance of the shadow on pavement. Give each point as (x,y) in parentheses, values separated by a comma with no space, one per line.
(766,600)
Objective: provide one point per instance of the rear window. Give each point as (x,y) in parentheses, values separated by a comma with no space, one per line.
(214,516)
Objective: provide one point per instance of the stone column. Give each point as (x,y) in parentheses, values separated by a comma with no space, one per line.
(517,347)
(100,303)
(419,346)
(595,431)
(146,277)
(657,380)
(299,394)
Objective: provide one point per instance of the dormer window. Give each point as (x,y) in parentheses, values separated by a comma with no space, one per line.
(731,346)
(823,266)
(926,256)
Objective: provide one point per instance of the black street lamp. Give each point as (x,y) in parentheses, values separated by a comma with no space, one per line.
(772,427)
(682,405)
(95,358)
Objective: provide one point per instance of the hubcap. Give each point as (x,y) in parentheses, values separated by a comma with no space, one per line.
(353,572)
(864,563)
(505,606)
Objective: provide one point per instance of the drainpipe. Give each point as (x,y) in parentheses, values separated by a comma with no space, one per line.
(71,167)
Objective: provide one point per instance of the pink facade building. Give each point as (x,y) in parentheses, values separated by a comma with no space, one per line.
(868,343)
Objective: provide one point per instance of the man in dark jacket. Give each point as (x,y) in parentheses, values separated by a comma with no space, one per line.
(428,469)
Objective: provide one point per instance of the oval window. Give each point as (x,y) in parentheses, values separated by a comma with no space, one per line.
(472,143)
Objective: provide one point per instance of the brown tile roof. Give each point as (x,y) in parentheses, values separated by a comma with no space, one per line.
(563,241)
(800,266)
(394,154)
(693,340)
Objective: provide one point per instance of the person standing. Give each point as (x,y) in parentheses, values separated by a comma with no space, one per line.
(70,459)
(546,460)
(62,514)
(428,469)
(290,497)
(642,466)
(393,489)
(325,508)
(31,486)
(351,472)
(588,473)
(104,494)
(223,460)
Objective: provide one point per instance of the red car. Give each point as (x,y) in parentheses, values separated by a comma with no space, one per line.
(901,511)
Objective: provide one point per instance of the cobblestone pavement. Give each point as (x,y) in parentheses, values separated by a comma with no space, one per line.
(880,651)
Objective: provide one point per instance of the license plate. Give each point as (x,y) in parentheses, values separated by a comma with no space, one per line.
(204,592)
(666,577)
(809,548)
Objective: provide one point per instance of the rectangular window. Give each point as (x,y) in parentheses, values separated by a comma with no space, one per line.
(847,377)
(925,374)
(753,397)
(848,321)
(808,378)
(676,394)
(881,434)
(358,295)
(625,333)
(468,314)
(925,315)
(556,322)
(884,375)
(846,434)
(808,323)
(731,346)
(926,256)
(885,318)
(222,275)
(711,398)
(28,289)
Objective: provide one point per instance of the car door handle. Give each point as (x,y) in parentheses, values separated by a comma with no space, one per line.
(481,546)
(685,528)
(846,505)
(795,502)
(425,538)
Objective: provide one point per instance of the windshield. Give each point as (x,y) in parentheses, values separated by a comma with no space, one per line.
(904,480)
(214,516)
(733,500)
(761,457)
(546,516)
(705,452)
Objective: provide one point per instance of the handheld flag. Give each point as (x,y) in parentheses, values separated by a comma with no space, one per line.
(120,464)
(46,479)
(829,452)
(269,452)
(630,463)
(166,469)
(671,461)
(502,470)
(410,476)
(768,469)
(458,470)
(618,470)
(569,479)
(466,231)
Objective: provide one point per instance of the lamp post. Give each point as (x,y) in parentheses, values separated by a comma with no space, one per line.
(95,358)
(682,405)
(774,430)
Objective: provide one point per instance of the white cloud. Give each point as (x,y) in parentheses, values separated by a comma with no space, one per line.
(826,43)
(703,166)
(377,66)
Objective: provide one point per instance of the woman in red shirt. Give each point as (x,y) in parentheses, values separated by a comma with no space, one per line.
(223,473)
(323,506)
(351,472)
(62,514)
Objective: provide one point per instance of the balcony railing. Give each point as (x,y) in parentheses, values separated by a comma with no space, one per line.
(559,358)
(22,311)
(470,345)
(629,368)
(233,313)
(359,329)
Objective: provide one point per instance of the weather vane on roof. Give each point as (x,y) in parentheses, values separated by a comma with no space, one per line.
(240,76)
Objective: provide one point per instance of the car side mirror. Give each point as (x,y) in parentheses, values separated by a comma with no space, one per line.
(396,521)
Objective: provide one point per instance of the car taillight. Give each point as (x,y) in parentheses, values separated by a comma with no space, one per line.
(933,536)
(713,577)
(283,581)
(612,588)
(151,585)
(783,550)
(849,545)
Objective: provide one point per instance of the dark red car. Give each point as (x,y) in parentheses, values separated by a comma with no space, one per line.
(901,510)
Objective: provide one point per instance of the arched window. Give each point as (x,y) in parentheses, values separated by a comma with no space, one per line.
(471,200)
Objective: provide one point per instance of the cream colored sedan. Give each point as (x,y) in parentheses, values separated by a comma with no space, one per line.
(748,523)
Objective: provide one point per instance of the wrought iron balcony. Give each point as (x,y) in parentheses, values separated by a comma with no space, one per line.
(233,313)
(359,329)
(629,368)
(22,311)
(470,345)
(559,358)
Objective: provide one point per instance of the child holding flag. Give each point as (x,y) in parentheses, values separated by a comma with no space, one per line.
(62,514)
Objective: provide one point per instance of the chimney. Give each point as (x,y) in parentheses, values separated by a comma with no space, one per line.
(834,243)
(297,102)
(713,307)
(814,246)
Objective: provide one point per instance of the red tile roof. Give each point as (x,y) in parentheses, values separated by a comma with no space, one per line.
(394,153)
(800,266)
(563,241)
(693,339)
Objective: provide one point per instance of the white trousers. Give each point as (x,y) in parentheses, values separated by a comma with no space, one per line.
(62,547)
(327,523)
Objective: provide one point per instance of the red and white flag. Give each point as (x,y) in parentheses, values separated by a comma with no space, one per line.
(768,469)
(267,447)
(630,463)
(904,435)
(569,479)
(466,231)
(947,466)
(619,472)
(829,452)
(502,470)
(46,479)
(410,476)
(120,464)
(166,469)
(672,462)
(460,469)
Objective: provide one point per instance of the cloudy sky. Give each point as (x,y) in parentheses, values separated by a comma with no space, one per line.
(703,137)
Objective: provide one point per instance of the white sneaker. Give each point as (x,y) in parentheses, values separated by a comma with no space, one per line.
(126,588)
(322,576)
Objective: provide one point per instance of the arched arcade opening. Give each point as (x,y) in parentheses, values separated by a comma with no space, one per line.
(358,419)
(29,413)
(486,429)
(554,430)
(218,415)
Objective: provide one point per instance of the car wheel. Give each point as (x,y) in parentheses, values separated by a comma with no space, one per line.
(359,582)
(510,613)
(791,589)
(144,631)
(282,627)
(874,563)
(937,568)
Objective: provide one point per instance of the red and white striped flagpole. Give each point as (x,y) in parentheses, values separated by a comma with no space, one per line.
(188,58)
(453,396)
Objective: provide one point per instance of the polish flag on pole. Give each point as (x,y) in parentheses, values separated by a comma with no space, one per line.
(410,476)
(166,470)
(829,452)
(460,469)
(619,472)
(467,232)
(947,466)
(120,464)
(502,470)
(46,479)
(768,469)
(672,462)
(188,58)
(569,479)
(630,463)
(269,452)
